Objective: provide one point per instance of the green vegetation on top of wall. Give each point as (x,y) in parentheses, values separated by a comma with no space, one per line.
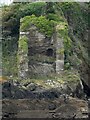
(44,25)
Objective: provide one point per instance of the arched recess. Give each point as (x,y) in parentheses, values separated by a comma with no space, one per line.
(49,52)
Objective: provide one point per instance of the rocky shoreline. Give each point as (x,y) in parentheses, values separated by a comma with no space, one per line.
(33,101)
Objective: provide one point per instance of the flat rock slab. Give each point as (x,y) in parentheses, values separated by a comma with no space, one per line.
(34,114)
(26,108)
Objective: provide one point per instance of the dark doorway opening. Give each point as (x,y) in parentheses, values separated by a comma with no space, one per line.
(49,52)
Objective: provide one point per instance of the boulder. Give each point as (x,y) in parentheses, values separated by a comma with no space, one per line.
(31,86)
(6,85)
(52,106)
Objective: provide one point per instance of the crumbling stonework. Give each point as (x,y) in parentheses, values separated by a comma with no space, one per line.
(42,56)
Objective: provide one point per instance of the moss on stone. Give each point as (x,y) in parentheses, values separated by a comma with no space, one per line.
(23,44)
(42,58)
(44,25)
(60,51)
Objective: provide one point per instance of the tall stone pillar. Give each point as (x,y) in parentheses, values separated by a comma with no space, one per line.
(23,56)
(59,54)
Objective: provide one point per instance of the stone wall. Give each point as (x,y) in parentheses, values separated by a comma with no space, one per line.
(41,52)
(41,57)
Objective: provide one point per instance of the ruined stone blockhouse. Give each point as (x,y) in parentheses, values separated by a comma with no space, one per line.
(39,55)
